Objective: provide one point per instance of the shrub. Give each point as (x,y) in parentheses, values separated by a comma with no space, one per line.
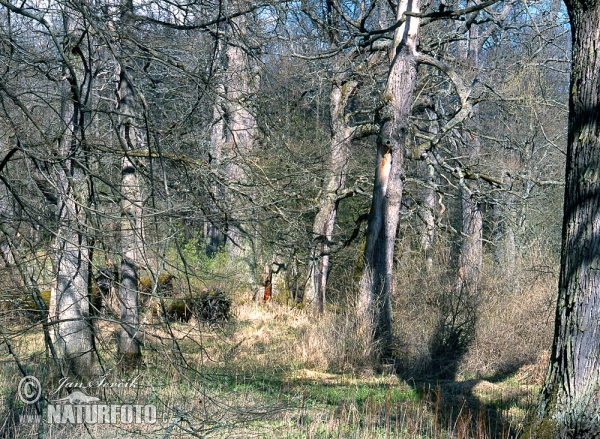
(211,306)
(165,286)
(178,309)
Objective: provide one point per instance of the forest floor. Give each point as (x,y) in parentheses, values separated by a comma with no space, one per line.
(268,373)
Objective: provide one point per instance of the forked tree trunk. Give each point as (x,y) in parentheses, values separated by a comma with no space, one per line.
(377,279)
(131,224)
(570,400)
(315,289)
(69,314)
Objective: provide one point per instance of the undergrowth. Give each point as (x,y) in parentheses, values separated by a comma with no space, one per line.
(270,372)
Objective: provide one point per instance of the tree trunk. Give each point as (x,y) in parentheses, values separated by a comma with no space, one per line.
(428,199)
(215,238)
(131,224)
(69,316)
(428,218)
(471,251)
(72,333)
(377,279)
(234,133)
(505,251)
(6,214)
(324,222)
(570,400)
(242,128)
(214,235)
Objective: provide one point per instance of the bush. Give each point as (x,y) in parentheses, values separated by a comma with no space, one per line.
(165,286)
(179,310)
(211,306)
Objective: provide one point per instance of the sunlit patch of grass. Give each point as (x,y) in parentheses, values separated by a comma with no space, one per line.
(250,378)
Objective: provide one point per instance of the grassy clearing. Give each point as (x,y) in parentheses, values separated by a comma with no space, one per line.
(269,373)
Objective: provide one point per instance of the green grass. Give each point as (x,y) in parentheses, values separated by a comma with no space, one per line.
(242,380)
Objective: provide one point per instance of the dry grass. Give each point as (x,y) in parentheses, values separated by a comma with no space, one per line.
(277,371)
(512,319)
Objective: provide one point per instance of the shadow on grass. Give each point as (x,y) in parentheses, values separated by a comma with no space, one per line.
(489,408)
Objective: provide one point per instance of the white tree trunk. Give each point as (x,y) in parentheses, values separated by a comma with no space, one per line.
(69,315)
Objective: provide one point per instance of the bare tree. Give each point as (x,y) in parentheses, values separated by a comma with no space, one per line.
(471,251)
(376,285)
(70,313)
(234,131)
(345,83)
(131,216)
(428,199)
(342,133)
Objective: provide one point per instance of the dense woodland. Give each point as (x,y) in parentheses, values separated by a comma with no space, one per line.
(377,183)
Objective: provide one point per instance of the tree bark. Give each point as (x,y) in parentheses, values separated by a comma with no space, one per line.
(470,260)
(241,129)
(6,214)
(427,209)
(570,400)
(131,223)
(471,250)
(428,199)
(377,279)
(214,235)
(315,289)
(69,315)
(233,135)
(505,251)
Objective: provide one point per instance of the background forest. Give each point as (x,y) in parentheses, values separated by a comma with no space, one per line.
(223,199)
